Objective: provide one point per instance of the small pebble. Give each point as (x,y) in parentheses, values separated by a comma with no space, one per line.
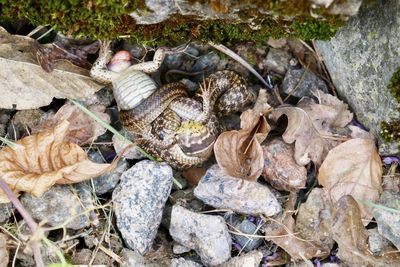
(277,61)
(251,259)
(182,262)
(6,210)
(376,242)
(139,202)
(246,242)
(301,82)
(206,234)
(206,61)
(131,258)
(221,191)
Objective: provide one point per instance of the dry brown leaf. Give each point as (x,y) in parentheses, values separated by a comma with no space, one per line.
(83,129)
(314,221)
(352,238)
(27,86)
(283,234)
(239,153)
(353,168)
(311,126)
(280,168)
(3,251)
(44,159)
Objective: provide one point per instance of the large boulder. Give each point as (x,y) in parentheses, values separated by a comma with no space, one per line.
(361,59)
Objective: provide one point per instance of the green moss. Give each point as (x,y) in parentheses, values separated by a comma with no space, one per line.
(390,131)
(108,19)
(394,85)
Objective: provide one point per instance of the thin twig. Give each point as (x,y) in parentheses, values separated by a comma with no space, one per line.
(33,226)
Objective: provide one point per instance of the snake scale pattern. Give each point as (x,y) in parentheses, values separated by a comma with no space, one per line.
(182,130)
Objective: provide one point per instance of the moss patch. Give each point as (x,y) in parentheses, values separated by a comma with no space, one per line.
(390,131)
(107,19)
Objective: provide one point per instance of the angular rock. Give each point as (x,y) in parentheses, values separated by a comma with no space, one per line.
(182,262)
(107,182)
(246,242)
(219,190)
(58,205)
(376,242)
(139,201)
(277,61)
(179,249)
(251,259)
(206,61)
(361,59)
(280,167)
(389,222)
(302,82)
(206,234)
(131,258)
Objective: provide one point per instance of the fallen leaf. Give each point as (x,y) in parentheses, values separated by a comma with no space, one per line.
(312,126)
(44,159)
(313,221)
(280,168)
(283,234)
(352,237)
(65,49)
(239,153)
(83,129)
(26,85)
(3,251)
(353,168)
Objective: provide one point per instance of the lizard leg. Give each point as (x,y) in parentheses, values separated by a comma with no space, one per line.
(99,69)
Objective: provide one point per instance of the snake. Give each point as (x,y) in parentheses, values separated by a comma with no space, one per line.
(179,129)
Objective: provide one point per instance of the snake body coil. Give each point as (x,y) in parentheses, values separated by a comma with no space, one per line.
(172,126)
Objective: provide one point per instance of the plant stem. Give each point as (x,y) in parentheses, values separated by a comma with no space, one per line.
(33,226)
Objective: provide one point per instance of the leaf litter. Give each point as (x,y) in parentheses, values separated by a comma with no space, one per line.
(318,136)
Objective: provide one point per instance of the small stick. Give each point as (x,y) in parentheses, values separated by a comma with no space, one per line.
(33,226)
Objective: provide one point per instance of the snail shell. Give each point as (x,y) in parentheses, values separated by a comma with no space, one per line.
(131,88)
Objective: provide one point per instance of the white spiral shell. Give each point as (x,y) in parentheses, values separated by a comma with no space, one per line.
(131,88)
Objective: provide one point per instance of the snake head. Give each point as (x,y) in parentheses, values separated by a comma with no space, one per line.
(195,139)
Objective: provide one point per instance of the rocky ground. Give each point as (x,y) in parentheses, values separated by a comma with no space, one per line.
(323,198)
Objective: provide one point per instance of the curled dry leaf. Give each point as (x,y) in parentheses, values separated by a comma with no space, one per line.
(239,153)
(353,168)
(352,237)
(26,85)
(44,159)
(83,129)
(280,168)
(283,234)
(312,126)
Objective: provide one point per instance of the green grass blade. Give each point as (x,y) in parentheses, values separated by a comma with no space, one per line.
(8,142)
(377,206)
(110,128)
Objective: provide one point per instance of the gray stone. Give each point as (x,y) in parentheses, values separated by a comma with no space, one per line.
(251,259)
(361,59)
(206,61)
(206,234)
(102,97)
(6,209)
(246,242)
(157,11)
(139,201)
(182,262)
(120,145)
(107,182)
(389,222)
(219,190)
(302,82)
(131,258)
(179,249)
(376,242)
(58,205)
(277,61)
